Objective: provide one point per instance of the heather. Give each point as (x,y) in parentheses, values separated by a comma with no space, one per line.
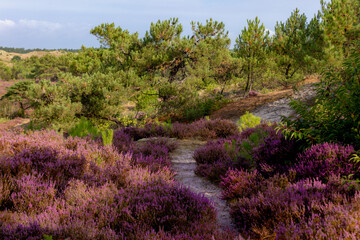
(77,188)
(322,160)
(290,194)
(277,190)
(201,129)
(294,208)
(154,153)
(260,148)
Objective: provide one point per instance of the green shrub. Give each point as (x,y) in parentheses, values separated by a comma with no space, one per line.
(107,136)
(335,116)
(84,128)
(199,109)
(248,120)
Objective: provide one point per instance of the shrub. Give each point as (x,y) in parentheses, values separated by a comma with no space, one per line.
(84,128)
(275,154)
(122,141)
(31,195)
(171,208)
(212,160)
(22,232)
(321,160)
(152,163)
(242,147)
(222,128)
(334,116)
(168,143)
(332,222)
(261,213)
(237,151)
(78,189)
(248,120)
(107,136)
(199,109)
(203,128)
(52,164)
(149,130)
(154,153)
(239,183)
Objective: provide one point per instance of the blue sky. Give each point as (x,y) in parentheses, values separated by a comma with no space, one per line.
(67,23)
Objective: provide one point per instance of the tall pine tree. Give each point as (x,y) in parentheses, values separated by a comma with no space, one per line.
(251,46)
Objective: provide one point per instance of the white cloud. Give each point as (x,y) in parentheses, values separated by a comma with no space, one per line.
(5,24)
(40,25)
(30,24)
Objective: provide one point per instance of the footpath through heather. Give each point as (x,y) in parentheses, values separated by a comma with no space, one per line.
(184,164)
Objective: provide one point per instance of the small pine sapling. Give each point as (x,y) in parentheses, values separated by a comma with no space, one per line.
(248,120)
(84,128)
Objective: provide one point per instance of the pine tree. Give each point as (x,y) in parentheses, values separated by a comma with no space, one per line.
(252,46)
(289,43)
(341,27)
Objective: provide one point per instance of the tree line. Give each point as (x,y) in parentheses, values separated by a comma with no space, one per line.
(171,74)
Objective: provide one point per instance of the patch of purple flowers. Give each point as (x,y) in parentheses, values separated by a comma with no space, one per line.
(78,189)
(322,160)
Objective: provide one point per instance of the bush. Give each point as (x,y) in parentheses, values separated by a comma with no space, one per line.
(169,207)
(261,213)
(22,232)
(52,164)
(204,129)
(149,130)
(199,109)
(275,154)
(122,141)
(239,183)
(334,116)
(31,195)
(248,120)
(236,151)
(154,153)
(212,160)
(322,160)
(77,188)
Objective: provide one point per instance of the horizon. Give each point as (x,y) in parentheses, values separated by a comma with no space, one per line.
(67,24)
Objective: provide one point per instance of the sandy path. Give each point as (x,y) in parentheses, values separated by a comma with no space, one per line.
(184,164)
(274,110)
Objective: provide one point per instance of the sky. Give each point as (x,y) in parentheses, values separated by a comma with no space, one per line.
(54,24)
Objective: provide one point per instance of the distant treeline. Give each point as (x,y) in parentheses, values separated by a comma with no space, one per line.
(23,50)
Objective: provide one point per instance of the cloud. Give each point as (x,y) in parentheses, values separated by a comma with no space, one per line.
(40,25)
(31,24)
(5,24)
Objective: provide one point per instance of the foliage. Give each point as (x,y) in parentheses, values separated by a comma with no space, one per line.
(248,120)
(107,136)
(5,72)
(84,128)
(252,46)
(168,73)
(322,160)
(19,93)
(289,44)
(242,152)
(212,160)
(122,141)
(341,28)
(275,154)
(239,183)
(334,117)
(56,188)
